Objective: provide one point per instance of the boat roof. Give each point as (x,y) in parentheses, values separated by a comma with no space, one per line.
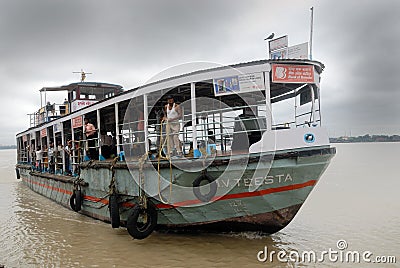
(72,86)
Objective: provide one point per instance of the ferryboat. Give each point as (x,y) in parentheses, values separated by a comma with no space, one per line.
(225,149)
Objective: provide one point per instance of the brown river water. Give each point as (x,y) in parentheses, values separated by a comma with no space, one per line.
(356,200)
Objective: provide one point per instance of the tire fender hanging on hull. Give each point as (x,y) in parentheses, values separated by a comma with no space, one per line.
(135,225)
(196,187)
(114,211)
(75,200)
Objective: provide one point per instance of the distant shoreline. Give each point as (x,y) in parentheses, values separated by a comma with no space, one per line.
(8,147)
(366,138)
(364,141)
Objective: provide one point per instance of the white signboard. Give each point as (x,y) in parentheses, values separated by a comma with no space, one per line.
(79,104)
(298,52)
(57,127)
(238,84)
(278,43)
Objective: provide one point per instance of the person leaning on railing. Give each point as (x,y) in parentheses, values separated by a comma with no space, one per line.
(90,132)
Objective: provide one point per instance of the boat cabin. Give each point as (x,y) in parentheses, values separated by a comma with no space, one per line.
(79,95)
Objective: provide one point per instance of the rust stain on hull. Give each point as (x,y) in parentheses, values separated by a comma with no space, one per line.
(269,223)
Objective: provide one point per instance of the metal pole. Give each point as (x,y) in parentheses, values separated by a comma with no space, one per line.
(145,118)
(98,132)
(268,107)
(311,30)
(54,150)
(48,146)
(84,138)
(193,107)
(63,144)
(313,105)
(117,127)
(73,147)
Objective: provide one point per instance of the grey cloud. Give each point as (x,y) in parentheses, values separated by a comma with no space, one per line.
(127,42)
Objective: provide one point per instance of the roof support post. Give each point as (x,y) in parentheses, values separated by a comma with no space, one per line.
(73,146)
(193,108)
(54,150)
(63,144)
(48,146)
(117,127)
(313,105)
(268,101)
(145,123)
(99,134)
(84,138)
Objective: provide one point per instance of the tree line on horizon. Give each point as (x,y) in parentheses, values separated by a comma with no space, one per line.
(366,138)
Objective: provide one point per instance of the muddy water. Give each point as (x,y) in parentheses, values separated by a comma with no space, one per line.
(357,200)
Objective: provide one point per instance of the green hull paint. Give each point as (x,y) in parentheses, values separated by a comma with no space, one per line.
(283,186)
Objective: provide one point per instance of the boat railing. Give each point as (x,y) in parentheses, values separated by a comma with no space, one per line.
(305,119)
(23,156)
(217,131)
(48,113)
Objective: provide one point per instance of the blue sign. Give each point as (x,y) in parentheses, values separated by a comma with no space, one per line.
(309,138)
(226,85)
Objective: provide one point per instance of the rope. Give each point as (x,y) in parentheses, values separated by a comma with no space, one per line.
(168,157)
(111,187)
(142,194)
(77,183)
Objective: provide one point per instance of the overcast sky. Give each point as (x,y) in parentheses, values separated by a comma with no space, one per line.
(128,42)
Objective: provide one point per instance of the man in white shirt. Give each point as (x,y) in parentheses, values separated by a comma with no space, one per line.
(39,158)
(173,113)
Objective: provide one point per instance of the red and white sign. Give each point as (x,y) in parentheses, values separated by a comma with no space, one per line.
(79,104)
(282,73)
(43,133)
(77,122)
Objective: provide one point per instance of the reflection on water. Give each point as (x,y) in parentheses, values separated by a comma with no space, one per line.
(356,200)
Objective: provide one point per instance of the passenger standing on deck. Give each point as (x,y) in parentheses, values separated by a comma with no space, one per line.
(173,113)
(39,158)
(90,132)
(68,155)
(50,154)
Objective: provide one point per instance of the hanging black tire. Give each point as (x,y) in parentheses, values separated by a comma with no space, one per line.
(196,187)
(17,172)
(136,227)
(114,211)
(76,200)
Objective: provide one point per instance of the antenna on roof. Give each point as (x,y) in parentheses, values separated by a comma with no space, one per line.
(83,74)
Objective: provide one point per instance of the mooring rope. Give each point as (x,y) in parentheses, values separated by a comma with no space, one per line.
(168,157)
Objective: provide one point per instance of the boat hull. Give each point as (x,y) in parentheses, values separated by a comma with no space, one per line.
(265,196)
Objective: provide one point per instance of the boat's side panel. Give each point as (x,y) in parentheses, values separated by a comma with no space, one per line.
(286,185)
(284,139)
(267,195)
